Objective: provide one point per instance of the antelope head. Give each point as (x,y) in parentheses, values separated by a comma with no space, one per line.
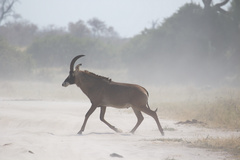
(71,77)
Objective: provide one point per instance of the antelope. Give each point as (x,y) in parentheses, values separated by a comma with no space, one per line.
(103,92)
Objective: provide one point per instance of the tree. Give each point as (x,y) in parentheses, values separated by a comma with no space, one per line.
(19,33)
(235,14)
(216,7)
(79,29)
(190,46)
(100,29)
(6,9)
(235,11)
(98,26)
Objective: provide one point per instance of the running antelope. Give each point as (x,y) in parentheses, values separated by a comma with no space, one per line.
(104,92)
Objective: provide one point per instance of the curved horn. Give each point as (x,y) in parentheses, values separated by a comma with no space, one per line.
(74,60)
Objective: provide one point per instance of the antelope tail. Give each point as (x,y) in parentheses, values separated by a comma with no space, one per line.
(150,108)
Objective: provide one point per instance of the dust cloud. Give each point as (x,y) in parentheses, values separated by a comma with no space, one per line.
(189,64)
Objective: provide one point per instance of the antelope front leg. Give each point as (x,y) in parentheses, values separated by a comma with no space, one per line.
(90,111)
(103,110)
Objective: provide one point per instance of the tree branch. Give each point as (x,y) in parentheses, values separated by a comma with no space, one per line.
(207,3)
(219,5)
(6,8)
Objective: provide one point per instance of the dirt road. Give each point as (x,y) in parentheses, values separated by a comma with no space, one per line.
(32,129)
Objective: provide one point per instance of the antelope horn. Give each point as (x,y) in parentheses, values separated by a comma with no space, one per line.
(74,60)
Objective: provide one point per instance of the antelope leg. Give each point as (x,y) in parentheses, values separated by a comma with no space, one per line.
(153,114)
(103,111)
(90,111)
(139,119)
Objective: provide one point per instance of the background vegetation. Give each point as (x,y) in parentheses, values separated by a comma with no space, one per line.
(196,45)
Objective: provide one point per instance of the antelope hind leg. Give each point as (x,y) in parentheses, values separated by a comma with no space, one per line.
(139,119)
(155,117)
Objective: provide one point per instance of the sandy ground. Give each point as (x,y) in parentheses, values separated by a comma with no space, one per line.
(35,129)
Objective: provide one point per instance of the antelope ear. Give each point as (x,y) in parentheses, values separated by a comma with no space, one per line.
(77,67)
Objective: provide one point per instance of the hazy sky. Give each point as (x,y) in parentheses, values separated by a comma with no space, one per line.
(128,17)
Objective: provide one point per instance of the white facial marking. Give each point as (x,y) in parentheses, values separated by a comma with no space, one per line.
(65,84)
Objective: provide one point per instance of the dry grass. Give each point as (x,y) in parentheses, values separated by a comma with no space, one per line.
(231,145)
(216,107)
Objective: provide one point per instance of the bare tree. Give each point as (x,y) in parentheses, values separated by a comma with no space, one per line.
(217,7)
(155,23)
(6,9)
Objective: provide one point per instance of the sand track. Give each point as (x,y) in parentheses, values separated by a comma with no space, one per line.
(47,130)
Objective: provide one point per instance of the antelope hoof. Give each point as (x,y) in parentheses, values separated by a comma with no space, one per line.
(80,133)
(162,133)
(118,130)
